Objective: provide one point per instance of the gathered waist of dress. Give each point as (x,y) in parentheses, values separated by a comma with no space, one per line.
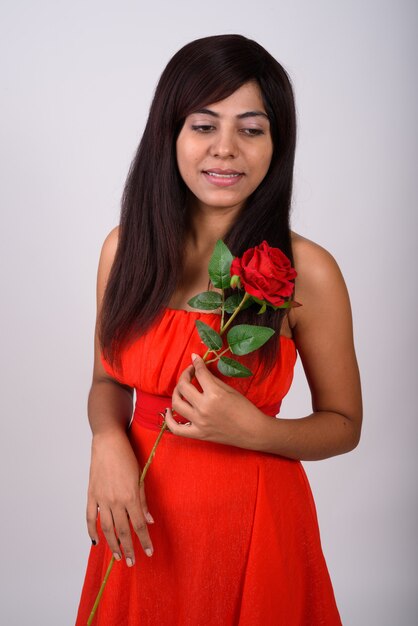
(149,410)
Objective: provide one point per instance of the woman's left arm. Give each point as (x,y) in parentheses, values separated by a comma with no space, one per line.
(322,330)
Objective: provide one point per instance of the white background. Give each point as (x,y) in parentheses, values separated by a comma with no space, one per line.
(77,79)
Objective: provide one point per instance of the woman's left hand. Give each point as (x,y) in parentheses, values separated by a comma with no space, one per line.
(218,413)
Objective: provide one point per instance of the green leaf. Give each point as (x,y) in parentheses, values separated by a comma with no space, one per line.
(206,301)
(244,338)
(233,302)
(230,367)
(210,337)
(285,305)
(220,265)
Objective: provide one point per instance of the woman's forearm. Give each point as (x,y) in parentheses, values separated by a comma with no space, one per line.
(109,407)
(321,435)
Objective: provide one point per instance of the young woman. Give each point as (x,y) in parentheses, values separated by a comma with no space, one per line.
(227,534)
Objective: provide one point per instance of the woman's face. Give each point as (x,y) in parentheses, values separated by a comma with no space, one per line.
(224,150)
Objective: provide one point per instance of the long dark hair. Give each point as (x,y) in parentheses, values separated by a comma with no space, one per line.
(148,262)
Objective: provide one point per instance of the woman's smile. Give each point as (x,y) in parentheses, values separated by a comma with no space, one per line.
(222,178)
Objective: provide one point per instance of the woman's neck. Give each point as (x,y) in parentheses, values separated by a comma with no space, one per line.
(206,226)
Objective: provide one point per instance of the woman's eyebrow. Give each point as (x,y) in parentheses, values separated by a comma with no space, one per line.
(240,116)
(252,114)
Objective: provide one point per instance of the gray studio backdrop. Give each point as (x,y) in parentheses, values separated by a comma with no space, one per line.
(76,81)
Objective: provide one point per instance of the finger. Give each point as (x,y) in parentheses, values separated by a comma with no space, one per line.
(144,506)
(140,528)
(202,373)
(204,376)
(106,522)
(181,406)
(184,430)
(123,531)
(188,392)
(91,516)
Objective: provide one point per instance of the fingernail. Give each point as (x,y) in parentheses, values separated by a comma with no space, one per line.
(149,518)
(148,551)
(117,556)
(94,542)
(129,561)
(194,356)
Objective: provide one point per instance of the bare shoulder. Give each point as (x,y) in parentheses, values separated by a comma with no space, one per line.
(319,277)
(107,256)
(313,263)
(110,245)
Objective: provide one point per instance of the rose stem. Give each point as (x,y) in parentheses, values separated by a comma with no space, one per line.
(152,453)
(223,308)
(99,595)
(235,313)
(223,328)
(218,356)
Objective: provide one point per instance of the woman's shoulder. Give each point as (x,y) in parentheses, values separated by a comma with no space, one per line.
(319,277)
(110,244)
(107,256)
(313,263)
(309,255)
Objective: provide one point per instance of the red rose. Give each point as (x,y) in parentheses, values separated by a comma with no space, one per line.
(265,273)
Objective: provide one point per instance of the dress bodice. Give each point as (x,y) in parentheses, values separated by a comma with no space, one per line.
(153,362)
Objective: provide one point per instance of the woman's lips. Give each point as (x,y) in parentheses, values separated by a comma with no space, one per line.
(222,178)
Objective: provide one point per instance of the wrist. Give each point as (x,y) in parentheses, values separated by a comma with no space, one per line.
(265,432)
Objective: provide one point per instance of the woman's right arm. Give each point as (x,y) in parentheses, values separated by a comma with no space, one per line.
(114,471)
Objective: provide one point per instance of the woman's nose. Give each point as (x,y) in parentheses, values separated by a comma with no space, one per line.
(224,145)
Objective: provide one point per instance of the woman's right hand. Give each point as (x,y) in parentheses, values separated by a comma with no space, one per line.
(114,491)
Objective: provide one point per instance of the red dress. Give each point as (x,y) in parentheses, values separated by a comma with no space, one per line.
(236,539)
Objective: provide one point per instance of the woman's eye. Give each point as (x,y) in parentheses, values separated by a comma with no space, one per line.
(252,132)
(203,128)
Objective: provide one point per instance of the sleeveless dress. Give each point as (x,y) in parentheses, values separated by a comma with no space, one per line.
(236,538)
